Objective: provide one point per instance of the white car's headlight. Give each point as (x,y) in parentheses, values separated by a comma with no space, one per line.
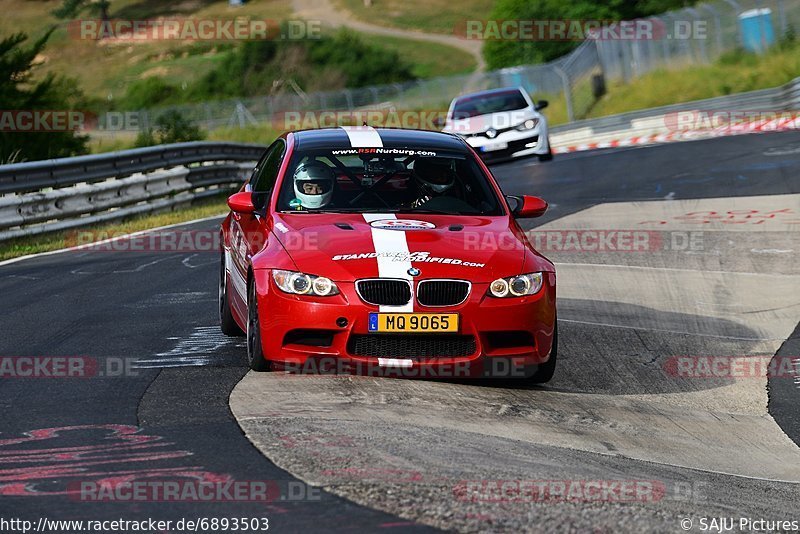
(516,286)
(529,124)
(304,284)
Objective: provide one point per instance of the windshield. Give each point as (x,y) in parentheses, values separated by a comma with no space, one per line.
(472,106)
(393,180)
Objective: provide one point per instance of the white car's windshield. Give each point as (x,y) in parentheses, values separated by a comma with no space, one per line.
(472,106)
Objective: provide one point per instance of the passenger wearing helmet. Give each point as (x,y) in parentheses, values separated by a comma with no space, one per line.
(433,177)
(313,185)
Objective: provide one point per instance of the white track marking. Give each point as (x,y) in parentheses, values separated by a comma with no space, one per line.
(771,250)
(137,269)
(88,246)
(201,348)
(797,372)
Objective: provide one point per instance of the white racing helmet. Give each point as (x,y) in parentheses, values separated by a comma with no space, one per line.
(313,184)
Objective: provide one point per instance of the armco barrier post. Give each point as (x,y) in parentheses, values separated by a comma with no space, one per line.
(736,10)
(700,40)
(567,92)
(717,26)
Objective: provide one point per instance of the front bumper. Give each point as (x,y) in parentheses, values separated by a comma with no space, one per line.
(510,337)
(512,143)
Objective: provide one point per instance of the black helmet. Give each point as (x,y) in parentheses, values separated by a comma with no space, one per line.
(434,175)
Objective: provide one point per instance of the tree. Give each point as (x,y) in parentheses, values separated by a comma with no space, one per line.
(71,8)
(507,52)
(21,94)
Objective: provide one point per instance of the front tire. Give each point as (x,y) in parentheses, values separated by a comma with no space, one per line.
(546,370)
(226,321)
(549,155)
(255,352)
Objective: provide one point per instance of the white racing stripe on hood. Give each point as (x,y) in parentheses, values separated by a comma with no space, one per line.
(391,242)
(363,136)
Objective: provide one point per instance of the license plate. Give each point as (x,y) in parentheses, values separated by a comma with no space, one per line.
(413,322)
(490,147)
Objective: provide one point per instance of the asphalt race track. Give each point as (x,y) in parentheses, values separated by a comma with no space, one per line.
(633,400)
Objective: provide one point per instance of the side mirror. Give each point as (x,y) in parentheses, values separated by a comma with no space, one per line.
(541,104)
(439,122)
(528,207)
(241,202)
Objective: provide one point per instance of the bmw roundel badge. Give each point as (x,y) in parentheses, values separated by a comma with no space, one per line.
(414,271)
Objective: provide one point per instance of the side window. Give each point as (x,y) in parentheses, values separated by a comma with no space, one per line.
(266,173)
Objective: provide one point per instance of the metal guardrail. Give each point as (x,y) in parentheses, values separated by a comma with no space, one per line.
(51,195)
(37,175)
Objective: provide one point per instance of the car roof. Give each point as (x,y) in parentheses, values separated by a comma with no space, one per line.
(335,138)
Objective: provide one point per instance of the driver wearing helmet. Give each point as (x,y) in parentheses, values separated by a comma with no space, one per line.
(433,177)
(313,185)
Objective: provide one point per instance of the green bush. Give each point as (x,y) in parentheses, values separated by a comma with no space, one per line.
(247,71)
(171,127)
(362,64)
(252,69)
(148,92)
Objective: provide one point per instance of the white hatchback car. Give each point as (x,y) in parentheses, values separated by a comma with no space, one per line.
(500,123)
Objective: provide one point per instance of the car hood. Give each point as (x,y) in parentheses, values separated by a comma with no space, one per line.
(345,247)
(498,121)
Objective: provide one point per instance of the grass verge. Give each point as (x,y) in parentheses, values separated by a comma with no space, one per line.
(23,246)
(431,16)
(734,72)
(428,59)
(263,134)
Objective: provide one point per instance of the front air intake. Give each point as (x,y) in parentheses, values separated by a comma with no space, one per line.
(384,291)
(442,292)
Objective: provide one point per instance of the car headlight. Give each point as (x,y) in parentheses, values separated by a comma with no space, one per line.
(304,284)
(516,286)
(529,124)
